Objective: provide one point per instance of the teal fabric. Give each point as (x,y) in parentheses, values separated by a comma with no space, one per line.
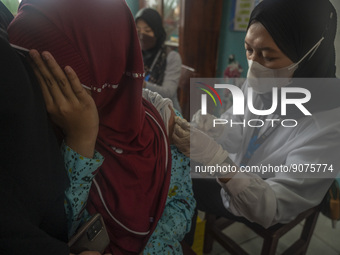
(179,209)
(176,219)
(80,172)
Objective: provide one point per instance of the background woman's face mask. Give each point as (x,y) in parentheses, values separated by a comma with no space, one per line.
(262,79)
(147,42)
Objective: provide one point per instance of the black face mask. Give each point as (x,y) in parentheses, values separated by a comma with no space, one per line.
(147,42)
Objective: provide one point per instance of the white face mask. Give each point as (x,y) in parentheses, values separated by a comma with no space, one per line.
(262,79)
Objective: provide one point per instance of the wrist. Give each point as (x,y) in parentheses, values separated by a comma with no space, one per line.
(227,177)
(84,147)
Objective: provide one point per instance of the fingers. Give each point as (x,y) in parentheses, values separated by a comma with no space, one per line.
(48,80)
(180,132)
(76,85)
(181,139)
(57,75)
(182,123)
(203,122)
(45,91)
(53,76)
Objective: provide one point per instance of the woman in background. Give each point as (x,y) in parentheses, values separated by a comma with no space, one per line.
(162,65)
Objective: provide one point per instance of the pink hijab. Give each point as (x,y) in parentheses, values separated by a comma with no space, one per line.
(98,39)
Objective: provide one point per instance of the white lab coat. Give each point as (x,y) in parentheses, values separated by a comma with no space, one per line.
(282,196)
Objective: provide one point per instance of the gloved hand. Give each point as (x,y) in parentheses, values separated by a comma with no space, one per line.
(197,145)
(205,124)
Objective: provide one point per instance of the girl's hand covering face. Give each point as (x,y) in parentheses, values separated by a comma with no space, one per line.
(70,106)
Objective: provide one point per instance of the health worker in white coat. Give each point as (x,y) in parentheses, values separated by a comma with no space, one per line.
(291,44)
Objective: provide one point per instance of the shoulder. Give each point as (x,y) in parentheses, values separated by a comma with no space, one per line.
(174,57)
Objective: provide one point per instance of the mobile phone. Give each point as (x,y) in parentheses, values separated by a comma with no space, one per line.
(92,236)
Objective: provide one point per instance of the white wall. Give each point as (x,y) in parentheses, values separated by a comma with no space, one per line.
(336,4)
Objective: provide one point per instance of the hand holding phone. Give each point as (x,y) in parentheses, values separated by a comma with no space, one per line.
(92,236)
